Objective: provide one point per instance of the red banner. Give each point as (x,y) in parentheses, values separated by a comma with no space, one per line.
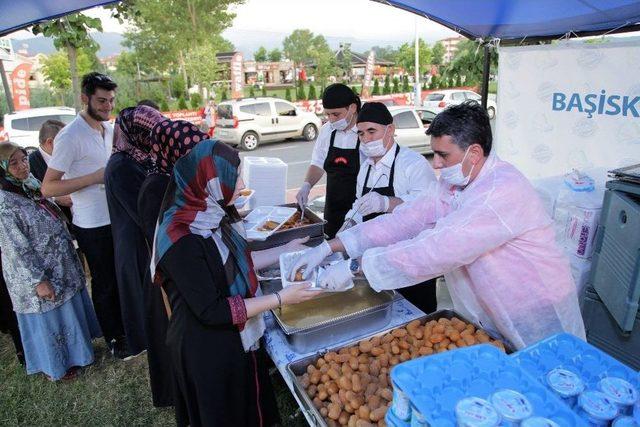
(192,116)
(20,87)
(237,76)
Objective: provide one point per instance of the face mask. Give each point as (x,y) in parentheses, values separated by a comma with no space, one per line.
(374,148)
(340,124)
(453,174)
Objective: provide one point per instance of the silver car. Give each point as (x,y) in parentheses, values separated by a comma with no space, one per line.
(251,121)
(411,124)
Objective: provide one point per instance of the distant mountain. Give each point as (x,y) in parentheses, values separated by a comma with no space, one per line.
(245,41)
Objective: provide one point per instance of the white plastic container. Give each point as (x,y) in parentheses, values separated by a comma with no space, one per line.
(267,176)
(566,385)
(621,392)
(512,406)
(476,412)
(597,408)
(576,214)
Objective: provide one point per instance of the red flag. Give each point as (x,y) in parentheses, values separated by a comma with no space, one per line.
(20,87)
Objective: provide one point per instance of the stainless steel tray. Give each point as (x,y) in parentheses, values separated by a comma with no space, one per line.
(333,317)
(299,367)
(280,237)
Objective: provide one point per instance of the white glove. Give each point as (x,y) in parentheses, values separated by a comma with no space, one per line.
(303,195)
(372,202)
(310,259)
(336,277)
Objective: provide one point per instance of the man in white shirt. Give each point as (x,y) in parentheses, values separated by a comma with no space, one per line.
(389,176)
(336,152)
(80,152)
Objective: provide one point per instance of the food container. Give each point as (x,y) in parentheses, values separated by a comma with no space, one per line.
(621,392)
(566,385)
(597,408)
(335,317)
(476,412)
(263,221)
(299,367)
(539,422)
(512,406)
(242,200)
(624,422)
(280,237)
(287,260)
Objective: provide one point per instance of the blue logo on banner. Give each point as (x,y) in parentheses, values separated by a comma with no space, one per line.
(592,104)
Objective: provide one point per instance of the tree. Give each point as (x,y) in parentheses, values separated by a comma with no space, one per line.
(300,95)
(201,65)
(437,53)
(405,84)
(435,82)
(396,85)
(312,92)
(223,94)
(71,33)
(424,85)
(405,58)
(386,89)
(297,47)
(386,53)
(163,105)
(57,71)
(196,101)
(260,55)
(323,59)
(182,104)
(345,62)
(468,63)
(173,42)
(287,94)
(355,90)
(376,87)
(275,55)
(264,90)
(252,93)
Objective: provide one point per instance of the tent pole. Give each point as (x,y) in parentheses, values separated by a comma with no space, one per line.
(485,75)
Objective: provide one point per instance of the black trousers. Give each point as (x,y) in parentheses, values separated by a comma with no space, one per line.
(97,246)
(422,295)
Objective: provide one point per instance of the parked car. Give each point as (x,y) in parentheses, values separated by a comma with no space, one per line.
(411,124)
(439,100)
(22,127)
(249,122)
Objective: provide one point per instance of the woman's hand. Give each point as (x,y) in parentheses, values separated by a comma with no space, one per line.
(297,293)
(45,291)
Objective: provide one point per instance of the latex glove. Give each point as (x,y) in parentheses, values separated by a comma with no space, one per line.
(297,245)
(372,202)
(303,195)
(336,277)
(310,259)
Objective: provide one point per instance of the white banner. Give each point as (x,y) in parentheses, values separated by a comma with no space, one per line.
(567,106)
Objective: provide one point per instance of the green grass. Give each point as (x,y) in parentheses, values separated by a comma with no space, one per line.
(110,392)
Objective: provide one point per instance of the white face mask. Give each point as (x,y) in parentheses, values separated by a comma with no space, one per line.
(374,148)
(453,174)
(340,124)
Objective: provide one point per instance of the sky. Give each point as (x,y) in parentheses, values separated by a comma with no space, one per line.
(347,18)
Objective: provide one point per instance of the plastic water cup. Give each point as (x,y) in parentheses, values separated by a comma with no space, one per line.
(621,392)
(565,384)
(512,406)
(538,422)
(624,422)
(597,408)
(476,412)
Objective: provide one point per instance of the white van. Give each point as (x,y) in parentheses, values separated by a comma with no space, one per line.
(22,127)
(250,121)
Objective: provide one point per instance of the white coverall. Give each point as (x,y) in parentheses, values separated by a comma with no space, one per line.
(494,243)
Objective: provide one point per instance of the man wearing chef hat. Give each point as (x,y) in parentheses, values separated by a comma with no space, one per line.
(483,227)
(389,176)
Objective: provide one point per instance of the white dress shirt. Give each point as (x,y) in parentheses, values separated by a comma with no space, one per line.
(347,139)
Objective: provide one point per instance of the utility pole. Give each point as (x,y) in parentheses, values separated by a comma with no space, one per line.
(417,100)
(5,85)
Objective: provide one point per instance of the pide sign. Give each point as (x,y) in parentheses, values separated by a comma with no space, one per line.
(20,87)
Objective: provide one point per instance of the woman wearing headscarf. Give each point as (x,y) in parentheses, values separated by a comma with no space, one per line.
(208,274)
(43,274)
(123,177)
(8,319)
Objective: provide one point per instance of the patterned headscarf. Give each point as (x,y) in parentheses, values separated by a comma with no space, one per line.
(196,203)
(29,187)
(133,133)
(173,139)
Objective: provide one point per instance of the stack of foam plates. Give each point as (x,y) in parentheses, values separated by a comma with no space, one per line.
(267,176)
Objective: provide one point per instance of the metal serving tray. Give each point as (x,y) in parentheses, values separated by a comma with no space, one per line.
(280,237)
(333,317)
(299,367)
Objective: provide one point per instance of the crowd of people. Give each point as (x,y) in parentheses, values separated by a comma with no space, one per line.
(171,273)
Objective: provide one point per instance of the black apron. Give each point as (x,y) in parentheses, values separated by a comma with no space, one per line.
(342,166)
(422,295)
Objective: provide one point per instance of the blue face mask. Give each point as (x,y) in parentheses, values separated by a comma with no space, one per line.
(453,175)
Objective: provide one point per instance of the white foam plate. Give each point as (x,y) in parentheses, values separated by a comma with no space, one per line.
(242,200)
(262,214)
